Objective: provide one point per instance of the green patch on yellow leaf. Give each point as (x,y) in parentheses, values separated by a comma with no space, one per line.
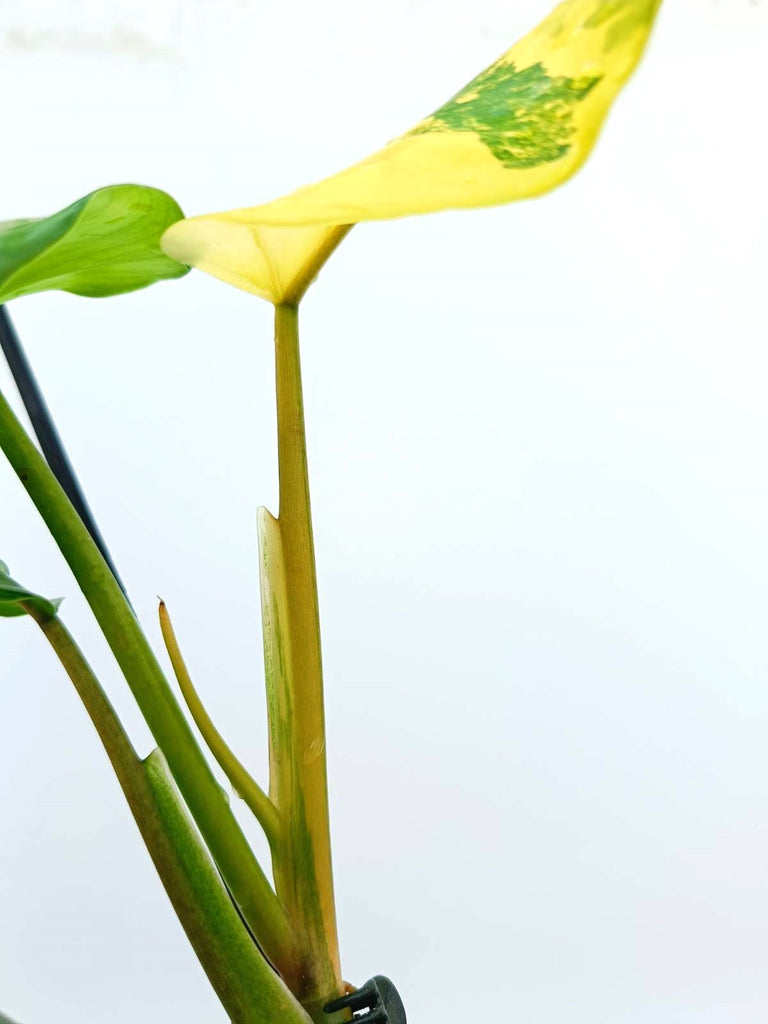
(525,118)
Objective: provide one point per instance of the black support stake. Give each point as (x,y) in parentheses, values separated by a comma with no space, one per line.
(47,434)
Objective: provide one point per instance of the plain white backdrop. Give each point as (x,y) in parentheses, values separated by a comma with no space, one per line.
(537,450)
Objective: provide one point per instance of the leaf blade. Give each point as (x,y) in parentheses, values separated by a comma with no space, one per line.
(520,128)
(106,243)
(15,600)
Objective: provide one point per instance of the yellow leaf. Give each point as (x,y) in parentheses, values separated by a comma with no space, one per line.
(520,128)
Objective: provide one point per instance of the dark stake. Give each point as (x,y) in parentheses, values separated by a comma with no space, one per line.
(47,434)
(378,998)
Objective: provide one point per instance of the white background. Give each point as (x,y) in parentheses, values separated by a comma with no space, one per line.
(537,441)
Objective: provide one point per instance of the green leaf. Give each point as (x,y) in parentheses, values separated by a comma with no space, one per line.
(106,243)
(13,597)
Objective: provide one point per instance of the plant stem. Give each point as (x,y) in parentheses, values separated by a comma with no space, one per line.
(206,800)
(302,866)
(247,986)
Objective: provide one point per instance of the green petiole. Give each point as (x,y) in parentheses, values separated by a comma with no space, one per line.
(248,988)
(298,775)
(252,892)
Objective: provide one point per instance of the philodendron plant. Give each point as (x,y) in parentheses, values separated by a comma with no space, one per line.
(520,128)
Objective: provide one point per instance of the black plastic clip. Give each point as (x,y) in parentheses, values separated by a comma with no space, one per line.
(378,997)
